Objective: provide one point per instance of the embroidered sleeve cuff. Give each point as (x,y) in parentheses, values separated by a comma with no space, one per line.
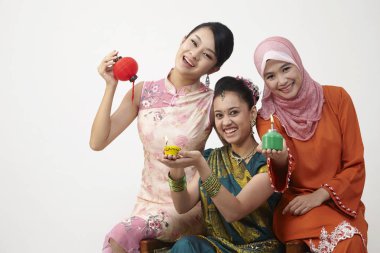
(280,179)
(338,201)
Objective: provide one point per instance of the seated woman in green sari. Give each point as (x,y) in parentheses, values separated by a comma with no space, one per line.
(233,184)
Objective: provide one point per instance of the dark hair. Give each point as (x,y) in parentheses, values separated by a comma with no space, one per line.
(224,40)
(243,87)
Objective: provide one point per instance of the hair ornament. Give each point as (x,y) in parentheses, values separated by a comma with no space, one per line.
(253,87)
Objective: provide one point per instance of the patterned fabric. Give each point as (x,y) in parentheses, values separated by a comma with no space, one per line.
(327,243)
(181,116)
(333,159)
(299,115)
(253,233)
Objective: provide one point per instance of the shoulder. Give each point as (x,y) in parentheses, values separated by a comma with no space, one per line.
(262,125)
(334,92)
(258,164)
(152,83)
(207,153)
(150,89)
(336,96)
(260,159)
(211,152)
(260,121)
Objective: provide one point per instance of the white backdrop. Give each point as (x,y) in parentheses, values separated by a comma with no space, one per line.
(56,194)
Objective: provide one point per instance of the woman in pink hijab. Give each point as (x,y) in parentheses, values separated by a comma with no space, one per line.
(323,183)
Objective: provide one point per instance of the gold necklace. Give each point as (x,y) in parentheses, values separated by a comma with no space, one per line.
(239,159)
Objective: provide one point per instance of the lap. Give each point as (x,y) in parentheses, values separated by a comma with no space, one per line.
(351,245)
(354,244)
(192,244)
(168,224)
(129,233)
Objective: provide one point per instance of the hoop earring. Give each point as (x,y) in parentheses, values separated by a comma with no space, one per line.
(207,82)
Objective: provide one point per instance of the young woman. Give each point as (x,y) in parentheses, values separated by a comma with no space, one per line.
(177,108)
(322,203)
(233,184)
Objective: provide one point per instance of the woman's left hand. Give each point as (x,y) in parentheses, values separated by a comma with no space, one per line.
(183,159)
(304,203)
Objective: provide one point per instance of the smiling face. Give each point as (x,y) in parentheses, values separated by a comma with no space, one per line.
(233,118)
(196,55)
(282,78)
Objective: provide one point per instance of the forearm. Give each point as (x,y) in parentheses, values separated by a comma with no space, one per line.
(183,200)
(322,195)
(228,205)
(252,196)
(281,161)
(102,123)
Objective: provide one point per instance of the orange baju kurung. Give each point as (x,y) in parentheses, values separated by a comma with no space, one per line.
(333,159)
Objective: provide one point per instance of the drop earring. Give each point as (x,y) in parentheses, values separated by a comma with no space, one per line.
(253,123)
(207,82)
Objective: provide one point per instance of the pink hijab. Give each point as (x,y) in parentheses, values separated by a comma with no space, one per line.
(300,115)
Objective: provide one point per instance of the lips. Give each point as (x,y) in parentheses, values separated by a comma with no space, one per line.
(287,88)
(188,61)
(229,131)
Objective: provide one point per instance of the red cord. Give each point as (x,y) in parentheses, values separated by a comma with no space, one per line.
(133,90)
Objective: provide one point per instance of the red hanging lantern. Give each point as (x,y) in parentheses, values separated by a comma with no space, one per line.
(125,69)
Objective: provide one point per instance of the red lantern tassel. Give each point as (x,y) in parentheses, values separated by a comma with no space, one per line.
(133,90)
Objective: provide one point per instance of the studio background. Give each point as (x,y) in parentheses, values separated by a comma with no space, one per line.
(57,195)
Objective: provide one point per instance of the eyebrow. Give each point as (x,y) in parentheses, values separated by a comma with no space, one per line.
(285,64)
(282,66)
(199,38)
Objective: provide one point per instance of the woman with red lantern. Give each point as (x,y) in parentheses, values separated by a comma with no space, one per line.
(175,109)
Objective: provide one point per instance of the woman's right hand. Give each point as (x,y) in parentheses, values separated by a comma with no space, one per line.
(280,157)
(105,68)
(183,159)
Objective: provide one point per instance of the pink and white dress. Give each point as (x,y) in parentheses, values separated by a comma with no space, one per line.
(183,117)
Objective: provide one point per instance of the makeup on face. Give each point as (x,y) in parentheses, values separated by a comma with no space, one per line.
(282,78)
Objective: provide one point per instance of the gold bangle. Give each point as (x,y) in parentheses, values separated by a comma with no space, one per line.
(177,185)
(212,185)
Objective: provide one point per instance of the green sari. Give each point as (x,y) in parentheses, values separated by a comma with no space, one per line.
(252,233)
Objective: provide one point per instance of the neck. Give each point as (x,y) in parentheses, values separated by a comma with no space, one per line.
(244,148)
(179,80)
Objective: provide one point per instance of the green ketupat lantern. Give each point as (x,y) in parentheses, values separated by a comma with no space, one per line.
(272,139)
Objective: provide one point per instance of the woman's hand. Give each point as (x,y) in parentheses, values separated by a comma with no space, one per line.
(183,159)
(105,68)
(304,203)
(279,157)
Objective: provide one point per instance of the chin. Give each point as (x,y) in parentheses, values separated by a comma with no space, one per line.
(234,141)
(228,140)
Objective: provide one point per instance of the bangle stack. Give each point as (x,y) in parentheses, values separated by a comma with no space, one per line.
(211,185)
(177,185)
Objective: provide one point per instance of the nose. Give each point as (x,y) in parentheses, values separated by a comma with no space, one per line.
(226,121)
(282,79)
(195,53)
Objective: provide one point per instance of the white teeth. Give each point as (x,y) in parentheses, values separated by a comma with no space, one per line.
(287,88)
(230,130)
(188,61)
